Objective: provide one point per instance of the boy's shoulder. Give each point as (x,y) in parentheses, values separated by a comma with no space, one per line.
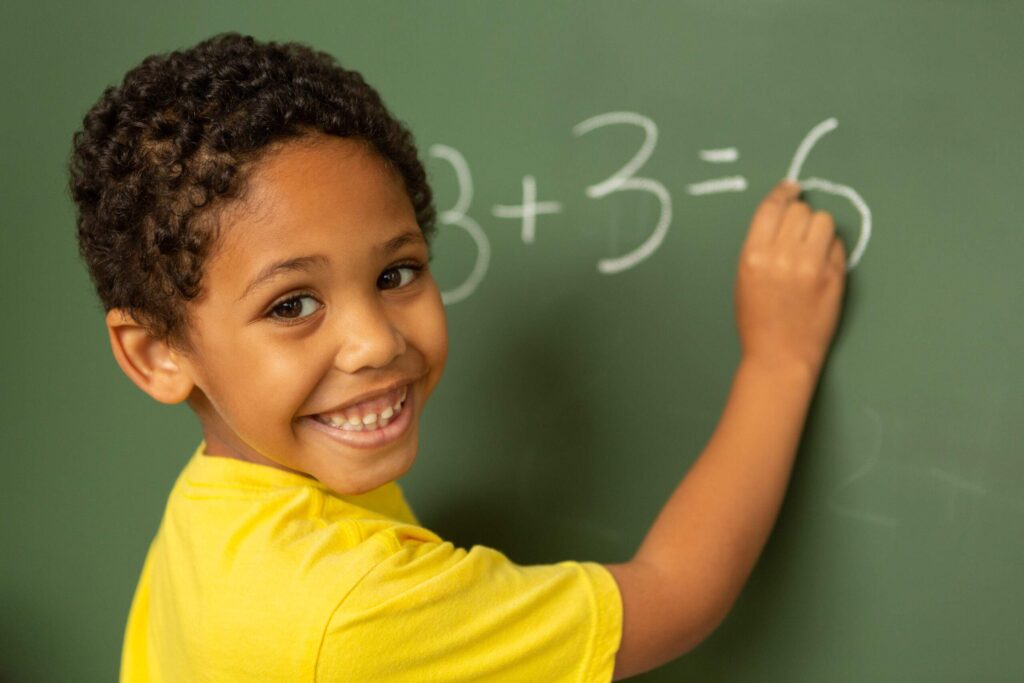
(282,559)
(228,507)
(246,548)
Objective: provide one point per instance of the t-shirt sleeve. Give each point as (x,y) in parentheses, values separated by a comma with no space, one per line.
(432,612)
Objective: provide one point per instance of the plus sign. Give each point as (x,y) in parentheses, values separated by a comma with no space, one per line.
(528,210)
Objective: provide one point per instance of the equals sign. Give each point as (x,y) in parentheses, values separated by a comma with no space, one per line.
(723,155)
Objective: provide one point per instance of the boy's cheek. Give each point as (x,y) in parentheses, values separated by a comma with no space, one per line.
(430,328)
(441,337)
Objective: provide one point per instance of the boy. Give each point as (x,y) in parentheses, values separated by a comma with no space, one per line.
(257,226)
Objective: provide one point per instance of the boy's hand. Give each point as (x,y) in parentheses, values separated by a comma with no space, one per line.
(790,282)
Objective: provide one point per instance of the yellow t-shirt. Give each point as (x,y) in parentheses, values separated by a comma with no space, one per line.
(257,574)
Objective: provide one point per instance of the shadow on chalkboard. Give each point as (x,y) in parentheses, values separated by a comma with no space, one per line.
(539,448)
(780,603)
(545,419)
(29,637)
(790,576)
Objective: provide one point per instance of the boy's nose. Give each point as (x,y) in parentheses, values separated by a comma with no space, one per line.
(368,339)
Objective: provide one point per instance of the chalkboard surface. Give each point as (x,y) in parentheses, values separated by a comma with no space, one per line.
(595,165)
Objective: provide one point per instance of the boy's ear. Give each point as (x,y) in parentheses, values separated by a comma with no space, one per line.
(150,363)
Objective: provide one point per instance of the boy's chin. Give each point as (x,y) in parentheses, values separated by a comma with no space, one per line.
(350,471)
(346,482)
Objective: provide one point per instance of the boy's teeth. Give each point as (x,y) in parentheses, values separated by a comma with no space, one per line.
(357,419)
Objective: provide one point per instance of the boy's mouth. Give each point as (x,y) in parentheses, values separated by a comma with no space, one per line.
(369,415)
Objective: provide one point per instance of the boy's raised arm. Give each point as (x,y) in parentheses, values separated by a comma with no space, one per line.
(703,545)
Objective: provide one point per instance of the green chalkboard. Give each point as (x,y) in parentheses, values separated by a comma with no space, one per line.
(576,395)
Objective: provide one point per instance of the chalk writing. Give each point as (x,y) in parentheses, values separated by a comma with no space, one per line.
(457,216)
(837,500)
(528,210)
(805,147)
(626,179)
(953,486)
(725,155)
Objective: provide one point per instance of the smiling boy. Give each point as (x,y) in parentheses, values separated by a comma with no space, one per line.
(257,226)
(270,365)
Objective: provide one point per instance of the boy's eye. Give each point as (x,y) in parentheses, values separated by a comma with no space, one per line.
(292,308)
(390,279)
(295,308)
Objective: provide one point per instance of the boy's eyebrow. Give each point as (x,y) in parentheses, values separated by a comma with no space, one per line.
(396,243)
(320,261)
(292,264)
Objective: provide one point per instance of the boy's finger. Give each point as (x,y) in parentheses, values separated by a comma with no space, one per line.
(837,255)
(765,223)
(794,223)
(820,234)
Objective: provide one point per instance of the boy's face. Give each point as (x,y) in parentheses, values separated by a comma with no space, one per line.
(356,320)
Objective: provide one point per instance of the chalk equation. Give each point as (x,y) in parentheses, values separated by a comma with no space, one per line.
(626,179)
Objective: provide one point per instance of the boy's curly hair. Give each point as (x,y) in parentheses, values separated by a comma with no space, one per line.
(160,153)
